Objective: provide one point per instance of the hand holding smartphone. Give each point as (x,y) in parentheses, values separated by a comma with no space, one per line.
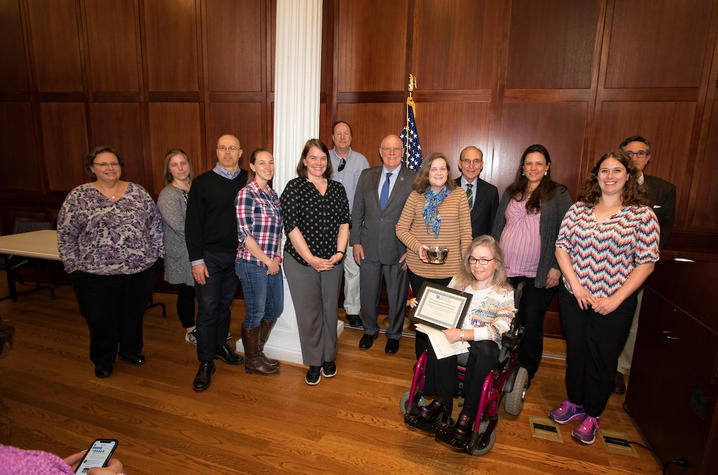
(97,455)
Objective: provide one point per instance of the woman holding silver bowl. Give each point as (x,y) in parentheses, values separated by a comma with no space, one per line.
(436,215)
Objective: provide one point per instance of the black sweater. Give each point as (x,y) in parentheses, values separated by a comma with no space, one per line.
(211,222)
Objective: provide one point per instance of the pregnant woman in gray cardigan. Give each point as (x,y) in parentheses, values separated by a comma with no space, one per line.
(172,204)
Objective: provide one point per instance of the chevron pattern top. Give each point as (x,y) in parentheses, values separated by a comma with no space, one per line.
(604,254)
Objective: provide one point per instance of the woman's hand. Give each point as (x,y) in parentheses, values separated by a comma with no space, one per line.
(114,466)
(319,264)
(583,296)
(606,305)
(453,334)
(273,266)
(413,303)
(423,253)
(336,258)
(552,278)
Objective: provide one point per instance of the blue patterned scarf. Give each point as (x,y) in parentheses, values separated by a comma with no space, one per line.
(432,217)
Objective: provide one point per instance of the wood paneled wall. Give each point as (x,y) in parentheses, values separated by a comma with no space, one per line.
(577,76)
(140,75)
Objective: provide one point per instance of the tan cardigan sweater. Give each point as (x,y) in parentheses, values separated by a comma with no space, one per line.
(454,234)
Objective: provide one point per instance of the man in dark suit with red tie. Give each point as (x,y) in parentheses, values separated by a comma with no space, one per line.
(380,196)
(483,197)
(662,200)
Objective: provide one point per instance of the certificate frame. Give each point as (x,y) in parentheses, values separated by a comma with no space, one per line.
(440,307)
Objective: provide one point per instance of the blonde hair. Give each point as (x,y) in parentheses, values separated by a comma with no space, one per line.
(465,277)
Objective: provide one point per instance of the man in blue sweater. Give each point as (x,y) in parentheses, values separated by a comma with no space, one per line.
(211,235)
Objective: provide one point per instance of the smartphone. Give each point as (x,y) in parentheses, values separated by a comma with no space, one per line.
(97,455)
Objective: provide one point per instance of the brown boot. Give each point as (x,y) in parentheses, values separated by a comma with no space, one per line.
(253,363)
(265,328)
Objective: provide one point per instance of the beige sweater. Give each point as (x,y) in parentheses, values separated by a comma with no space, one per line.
(454,234)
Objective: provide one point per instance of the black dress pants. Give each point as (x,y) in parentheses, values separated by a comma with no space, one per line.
(113,306)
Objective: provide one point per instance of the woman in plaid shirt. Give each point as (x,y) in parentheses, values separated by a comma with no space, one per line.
(258,265)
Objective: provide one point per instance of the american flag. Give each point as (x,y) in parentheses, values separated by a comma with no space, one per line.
(410,138)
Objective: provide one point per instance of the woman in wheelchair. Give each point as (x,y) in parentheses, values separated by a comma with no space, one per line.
(483,275)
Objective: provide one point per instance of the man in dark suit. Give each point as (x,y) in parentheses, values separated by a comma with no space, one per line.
(483,197)
(380,196)
(662,199)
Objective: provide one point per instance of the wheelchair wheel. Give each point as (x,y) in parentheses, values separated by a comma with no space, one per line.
(404,402)
(476,451)
(514,401)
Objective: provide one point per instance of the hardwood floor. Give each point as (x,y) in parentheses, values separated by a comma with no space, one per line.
(252,424)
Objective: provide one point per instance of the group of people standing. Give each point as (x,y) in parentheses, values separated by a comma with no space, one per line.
(368,225)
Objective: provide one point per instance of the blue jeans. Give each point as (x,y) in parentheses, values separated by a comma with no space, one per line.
(263,294)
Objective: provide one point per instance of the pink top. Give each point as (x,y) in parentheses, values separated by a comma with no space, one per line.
(521,240)
(31,462)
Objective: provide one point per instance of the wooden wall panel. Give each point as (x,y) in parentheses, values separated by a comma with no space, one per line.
(371,49)
(112,37)
(667,125)
(551,43)
(658,43)
(172,58)
(455,44)
(558,126)
(704,187)
(244,121)
(64,140)
(448,127)
(56,45)
(118,126)
(371,122)
(235,45)
(20,167)
(13,68)
(173,125)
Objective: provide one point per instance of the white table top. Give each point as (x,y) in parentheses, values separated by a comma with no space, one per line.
(40,244)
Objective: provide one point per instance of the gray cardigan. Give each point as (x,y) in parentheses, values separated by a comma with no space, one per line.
(552,213)
(173,207)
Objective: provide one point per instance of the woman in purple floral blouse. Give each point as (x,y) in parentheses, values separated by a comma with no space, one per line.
(109,234)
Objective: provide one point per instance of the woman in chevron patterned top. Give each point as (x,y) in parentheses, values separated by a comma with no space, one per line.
(606,248)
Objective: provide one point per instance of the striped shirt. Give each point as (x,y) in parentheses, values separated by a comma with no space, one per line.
(603,255)
(259,216)
(454,234)
(491,312)
(521,240)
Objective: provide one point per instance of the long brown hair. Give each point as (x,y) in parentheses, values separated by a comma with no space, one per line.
(421,182)
(302,168)
(252,159)
(633,194)
(465,277)
(546,188)
(168,156)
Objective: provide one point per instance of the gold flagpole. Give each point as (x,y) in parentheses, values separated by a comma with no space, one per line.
(409,101)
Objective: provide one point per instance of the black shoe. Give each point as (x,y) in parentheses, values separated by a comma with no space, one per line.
(103,372)
(462,428)
(435,412)
(226,354)
(134,360)
(354,321)
(366,341)
(619,385)
(329,369)
(313,375)
(204,376)
(392,346)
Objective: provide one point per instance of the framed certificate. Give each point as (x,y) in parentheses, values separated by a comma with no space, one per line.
(440,307)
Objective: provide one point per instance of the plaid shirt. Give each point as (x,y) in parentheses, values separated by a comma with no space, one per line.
(259,216)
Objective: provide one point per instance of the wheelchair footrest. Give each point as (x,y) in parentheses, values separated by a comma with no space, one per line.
(418,422)
(445,434)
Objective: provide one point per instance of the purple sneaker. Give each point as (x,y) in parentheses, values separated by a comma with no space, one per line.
(567,412)
(586,430)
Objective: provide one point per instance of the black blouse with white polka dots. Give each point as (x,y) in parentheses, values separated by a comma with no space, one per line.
(317,217)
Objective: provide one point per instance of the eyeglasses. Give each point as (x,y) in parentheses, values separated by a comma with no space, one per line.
(231,148)
(639,154)
(476,161)
(106,164)
(484,262)
(392,149)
